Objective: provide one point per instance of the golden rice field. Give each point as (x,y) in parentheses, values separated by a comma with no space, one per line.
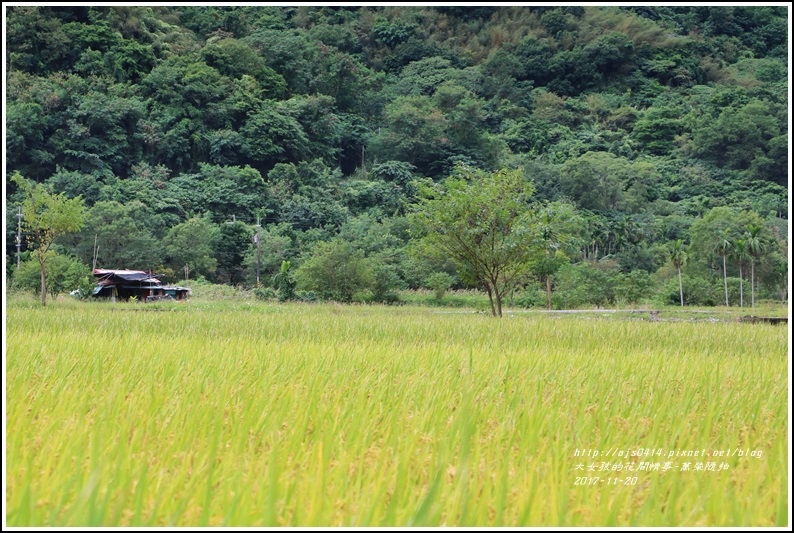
(254,414)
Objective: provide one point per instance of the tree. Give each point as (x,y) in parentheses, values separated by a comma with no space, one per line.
(657,128)
(558,225)
(64,274)
(738,136)
(120,236)
(741,255)
(193,243)
(277,244)
(481,220)
(233,244)
(723,249)
(285,282)
(679,258)
(417,134)
(756,246)
(335,271)
(233,58)
(714,235)
(274,137)
(440,282)
(593,180)
(45,217)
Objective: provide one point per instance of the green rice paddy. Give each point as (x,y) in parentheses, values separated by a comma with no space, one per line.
(254,414)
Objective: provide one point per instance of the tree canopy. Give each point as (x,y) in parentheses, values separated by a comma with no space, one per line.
(45,217)
(483,222)
(181,122)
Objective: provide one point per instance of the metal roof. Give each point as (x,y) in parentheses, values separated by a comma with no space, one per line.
(126,275)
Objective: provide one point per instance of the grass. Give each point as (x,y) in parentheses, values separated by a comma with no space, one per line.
(243,413)
(470,299)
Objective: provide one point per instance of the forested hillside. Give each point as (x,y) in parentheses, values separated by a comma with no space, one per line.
(660,132)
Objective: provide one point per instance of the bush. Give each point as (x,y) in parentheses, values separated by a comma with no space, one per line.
(285,282)
(306,296)
(440,282)
(584,284)
(698,291)
(336,271)
(387,281)
(64,274)
(202,289)
(265,293)
(633,287)
(734,294)
(532,296)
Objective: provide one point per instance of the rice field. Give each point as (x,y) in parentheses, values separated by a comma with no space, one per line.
(249,414)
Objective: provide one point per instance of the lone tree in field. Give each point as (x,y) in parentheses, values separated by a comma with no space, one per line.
(45,217)
(482,221)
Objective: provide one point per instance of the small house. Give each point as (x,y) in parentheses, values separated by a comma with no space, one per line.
(126,284)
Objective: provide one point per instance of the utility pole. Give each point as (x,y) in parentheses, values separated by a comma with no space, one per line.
(96,250)
(19,234)
(186,270)
(258,251)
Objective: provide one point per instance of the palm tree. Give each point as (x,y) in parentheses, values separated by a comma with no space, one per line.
(284,282)
(755,247)
(741,255)
(599,236)
(723,249)
(679,257)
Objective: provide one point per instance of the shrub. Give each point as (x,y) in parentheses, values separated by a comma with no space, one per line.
(584,284)
(386,282)
(336,271)
(698,291)
(440,282)
(64,274)
(285,282)
(532,296)
(633,287)
(306,296)
(202,289)
(265,293)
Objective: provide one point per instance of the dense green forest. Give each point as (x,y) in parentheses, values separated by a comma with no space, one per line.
(655,140)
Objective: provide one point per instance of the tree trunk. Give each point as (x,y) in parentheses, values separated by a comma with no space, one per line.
(43,280)
(741,287)
(498,303)
(752,283)
(680,287)
(490,298)
(548,292)
(725,279)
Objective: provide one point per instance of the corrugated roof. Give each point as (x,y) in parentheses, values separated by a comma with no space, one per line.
(126,275)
